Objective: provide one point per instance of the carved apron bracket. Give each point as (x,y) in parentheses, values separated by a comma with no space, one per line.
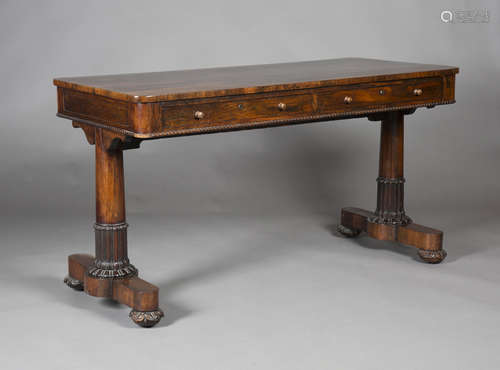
(110,139)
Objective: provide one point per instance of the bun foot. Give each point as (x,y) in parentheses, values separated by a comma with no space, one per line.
(73,283)
(432,256)
(346,232)
(146,319)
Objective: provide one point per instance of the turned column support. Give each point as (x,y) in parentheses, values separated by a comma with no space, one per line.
(389,220)
(390,180)
(110,273)
(111,256)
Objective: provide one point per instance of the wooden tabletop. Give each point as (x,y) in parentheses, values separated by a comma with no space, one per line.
(212,82)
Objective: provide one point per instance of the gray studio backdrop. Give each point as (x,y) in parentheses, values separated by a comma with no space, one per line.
(235,228)
(47,166)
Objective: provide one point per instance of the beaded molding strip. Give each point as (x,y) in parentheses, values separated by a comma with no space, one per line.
(259,124)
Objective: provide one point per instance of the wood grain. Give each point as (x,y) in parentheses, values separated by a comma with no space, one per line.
(110,197)
(389,221)
(212,82)
(136,293)
(102,110)
(309,91)
(421,237)
(117,112)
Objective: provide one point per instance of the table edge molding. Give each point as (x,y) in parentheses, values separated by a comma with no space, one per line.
(291,86)
(256,124)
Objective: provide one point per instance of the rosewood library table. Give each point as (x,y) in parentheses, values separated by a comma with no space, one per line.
(118,112)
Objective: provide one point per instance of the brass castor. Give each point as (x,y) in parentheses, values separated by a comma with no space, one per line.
(73,283)
(146,319)
(432,256)
(346,232)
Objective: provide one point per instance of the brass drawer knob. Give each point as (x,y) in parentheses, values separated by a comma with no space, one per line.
(417,92)
(348,100)
(281,106)
(199,115)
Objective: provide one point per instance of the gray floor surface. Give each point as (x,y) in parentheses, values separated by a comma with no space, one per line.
(263,292)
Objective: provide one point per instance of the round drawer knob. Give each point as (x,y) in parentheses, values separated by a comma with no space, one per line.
(199,115)
(348,100)
(281,106)
(417,92)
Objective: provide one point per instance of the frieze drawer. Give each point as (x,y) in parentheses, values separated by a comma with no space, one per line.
(202,114)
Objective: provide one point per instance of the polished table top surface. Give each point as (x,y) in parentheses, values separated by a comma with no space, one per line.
(223,81)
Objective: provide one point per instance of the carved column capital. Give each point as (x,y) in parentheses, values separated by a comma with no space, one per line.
(111,252)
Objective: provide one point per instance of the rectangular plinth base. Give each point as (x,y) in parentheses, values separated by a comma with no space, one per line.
(429,241)
(133,292)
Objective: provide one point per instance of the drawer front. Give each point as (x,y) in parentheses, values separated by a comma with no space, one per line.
(373,96)
(223,114)
(207,114)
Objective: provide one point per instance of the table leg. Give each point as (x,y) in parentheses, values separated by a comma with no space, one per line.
(110,274)
(389,221)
